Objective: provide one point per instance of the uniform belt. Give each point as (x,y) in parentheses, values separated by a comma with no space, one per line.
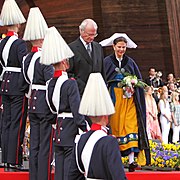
(12,69)
(38,87)
(65,114)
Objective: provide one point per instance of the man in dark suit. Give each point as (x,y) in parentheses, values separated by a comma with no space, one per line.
(88,54)
(152,75)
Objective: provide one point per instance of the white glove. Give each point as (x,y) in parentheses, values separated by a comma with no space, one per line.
(54,126)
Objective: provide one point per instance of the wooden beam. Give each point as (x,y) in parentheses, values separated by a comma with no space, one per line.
(173,15)
(97,16)
(31,3)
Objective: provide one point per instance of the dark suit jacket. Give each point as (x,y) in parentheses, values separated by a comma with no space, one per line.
(153,82)
(81,65)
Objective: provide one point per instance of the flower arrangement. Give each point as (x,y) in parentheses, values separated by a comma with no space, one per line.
(128,82)
(163,156)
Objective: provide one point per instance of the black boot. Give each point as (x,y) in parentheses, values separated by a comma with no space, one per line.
(134,166)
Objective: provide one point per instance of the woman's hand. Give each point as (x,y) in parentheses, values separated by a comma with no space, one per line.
(170,119)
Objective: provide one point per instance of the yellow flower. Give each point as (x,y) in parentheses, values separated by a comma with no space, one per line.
(152,161)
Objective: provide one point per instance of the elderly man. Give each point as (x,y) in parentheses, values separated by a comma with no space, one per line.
(88,54)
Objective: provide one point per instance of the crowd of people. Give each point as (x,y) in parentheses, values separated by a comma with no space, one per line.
(162,102)
(79,111)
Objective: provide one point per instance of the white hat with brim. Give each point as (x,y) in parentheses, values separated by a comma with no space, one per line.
(36,25)
(96,100)
(54,48)
(11,14)
(109,41)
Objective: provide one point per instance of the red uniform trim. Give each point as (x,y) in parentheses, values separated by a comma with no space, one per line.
(57,73)
(50,154)
(95,127)
(35,49)
(11,33)
(19,132)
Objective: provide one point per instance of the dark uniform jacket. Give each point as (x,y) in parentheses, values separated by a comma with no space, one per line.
(81,64)
(105,162)
(42,73)
(10,82)
(66,128)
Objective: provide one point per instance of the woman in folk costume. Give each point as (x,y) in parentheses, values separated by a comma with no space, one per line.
(96,155)
(129,122)
(12,50)
(35,76)
(63,99)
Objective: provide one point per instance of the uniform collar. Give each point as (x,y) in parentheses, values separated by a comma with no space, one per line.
(119,59)
(58,73)
(95,127)
(12,33)
(35,49)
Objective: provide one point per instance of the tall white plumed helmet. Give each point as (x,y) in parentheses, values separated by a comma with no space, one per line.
(96,100)
(11,14)
(1,23)
(36,25)
(54,48)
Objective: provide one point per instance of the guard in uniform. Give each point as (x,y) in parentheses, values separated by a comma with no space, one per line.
(1,69)
(63,99)
(96,155)
(35,77)
(12,50)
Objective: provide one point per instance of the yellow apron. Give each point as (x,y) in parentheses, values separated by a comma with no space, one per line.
(124,121)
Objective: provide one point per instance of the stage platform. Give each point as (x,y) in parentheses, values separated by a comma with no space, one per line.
(139,175)
(155,175)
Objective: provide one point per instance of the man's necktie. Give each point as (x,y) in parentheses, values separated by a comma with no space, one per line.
(89,49)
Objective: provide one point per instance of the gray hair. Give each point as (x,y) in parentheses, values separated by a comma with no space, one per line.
(85,22)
